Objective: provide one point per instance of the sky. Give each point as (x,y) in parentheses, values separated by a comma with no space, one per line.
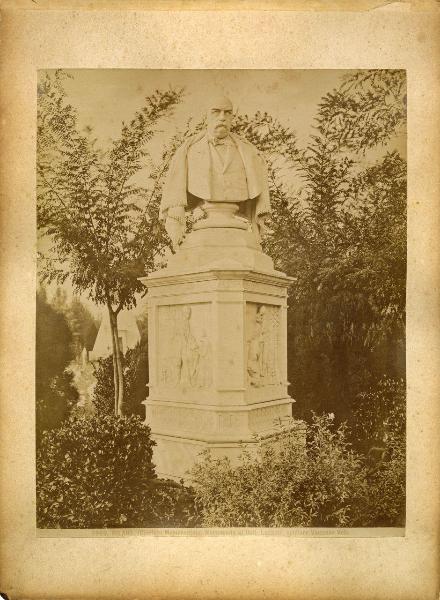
(106,97)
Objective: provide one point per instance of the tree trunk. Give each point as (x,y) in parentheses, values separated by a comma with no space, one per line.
(115,367)
(118,374)
(121,395)
(115,377)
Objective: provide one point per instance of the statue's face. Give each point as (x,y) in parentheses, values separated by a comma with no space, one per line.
(219,118)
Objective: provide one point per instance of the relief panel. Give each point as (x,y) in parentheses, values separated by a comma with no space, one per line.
(185,347)
(263,344)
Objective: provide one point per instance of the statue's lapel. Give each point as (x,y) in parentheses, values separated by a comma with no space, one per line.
(199,169)
(252,175)
(228,158)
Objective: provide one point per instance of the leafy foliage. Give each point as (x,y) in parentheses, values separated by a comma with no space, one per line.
(268,135)
(286,484)
(174,505)
(342,235)
(99,221)
(88,202)
(54,391)
(135,365)
(367,109)
(387,475)
(94,473)
(379,412)
(82,323)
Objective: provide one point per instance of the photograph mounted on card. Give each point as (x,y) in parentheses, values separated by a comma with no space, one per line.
(220,325)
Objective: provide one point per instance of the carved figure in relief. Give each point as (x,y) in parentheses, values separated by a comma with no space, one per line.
(262,358)
(204,366)
(187,362)
(189,351)
(256,351)
(171,362)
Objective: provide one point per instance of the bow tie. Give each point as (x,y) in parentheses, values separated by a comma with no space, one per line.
(220,141)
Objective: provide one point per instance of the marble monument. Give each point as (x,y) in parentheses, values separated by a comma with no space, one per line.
(217,312)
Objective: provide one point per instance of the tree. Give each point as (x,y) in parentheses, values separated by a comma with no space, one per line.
(367,109)
(82,323)
(100,222)
(342,235)
(55,393)
(135,368)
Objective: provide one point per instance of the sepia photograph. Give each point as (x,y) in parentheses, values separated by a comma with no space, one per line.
(221,299)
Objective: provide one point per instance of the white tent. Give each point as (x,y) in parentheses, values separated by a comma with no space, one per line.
(128,332)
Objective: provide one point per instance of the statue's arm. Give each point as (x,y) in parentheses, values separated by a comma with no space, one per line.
(175,224)
(263,208)
(174,199)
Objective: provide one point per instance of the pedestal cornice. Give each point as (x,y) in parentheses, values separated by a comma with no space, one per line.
(163,277)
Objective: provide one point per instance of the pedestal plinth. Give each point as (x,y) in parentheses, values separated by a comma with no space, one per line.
(217,349)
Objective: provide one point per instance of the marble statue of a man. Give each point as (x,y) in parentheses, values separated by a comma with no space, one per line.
(214,168)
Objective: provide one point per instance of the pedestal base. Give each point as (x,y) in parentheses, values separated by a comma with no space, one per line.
(174,456)
(217,349)
(217,248)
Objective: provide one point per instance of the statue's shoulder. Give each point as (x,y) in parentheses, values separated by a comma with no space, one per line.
(181,151)
(246,143)
(191,140)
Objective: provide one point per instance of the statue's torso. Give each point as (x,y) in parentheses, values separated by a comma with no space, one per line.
(216,172)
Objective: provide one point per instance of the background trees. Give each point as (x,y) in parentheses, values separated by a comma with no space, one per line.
(338,226)
(99,221)
(325,484)
(135,368)
(55,394)
(342,234)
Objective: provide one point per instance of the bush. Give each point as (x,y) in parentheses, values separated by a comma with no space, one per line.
(135,366)
(326,483)
(372,411)
(336,478)
(95,472)
(174,505)
(379,432)
(285,484)
(55,393)
(387,476)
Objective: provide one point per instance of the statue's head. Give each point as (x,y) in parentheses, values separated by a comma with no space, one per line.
(219,116)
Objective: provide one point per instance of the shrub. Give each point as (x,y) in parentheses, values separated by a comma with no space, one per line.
(372,411)
(55,393)
(135,365)
(284,484)
(54,403)
(387,476)
(379,431)
(95,472)
(336,483)
(174,505)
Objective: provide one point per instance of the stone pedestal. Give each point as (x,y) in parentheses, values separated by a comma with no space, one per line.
(217,348)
